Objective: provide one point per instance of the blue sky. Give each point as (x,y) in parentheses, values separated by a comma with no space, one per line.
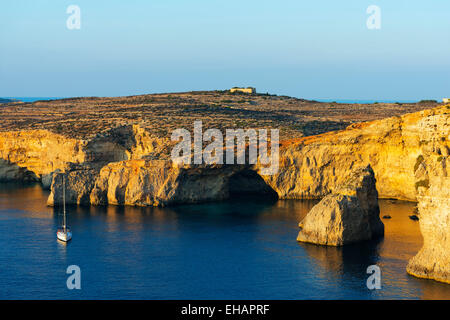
(312,49)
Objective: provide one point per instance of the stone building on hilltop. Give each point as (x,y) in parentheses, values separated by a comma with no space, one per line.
(249,90)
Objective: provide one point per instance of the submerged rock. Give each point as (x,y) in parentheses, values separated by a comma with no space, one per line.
(349,215)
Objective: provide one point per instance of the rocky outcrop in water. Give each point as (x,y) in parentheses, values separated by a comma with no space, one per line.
(349,215)
(157,183)
(432,173)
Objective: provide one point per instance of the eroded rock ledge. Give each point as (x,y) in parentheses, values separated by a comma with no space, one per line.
(351,214)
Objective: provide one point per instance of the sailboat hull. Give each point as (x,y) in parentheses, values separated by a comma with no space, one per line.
(64,236)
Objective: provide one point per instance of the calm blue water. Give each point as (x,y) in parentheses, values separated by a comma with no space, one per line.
(232,250)
(33,99)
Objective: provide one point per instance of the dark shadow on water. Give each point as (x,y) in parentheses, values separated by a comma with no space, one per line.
(352,258)
(346,266)
(16,185)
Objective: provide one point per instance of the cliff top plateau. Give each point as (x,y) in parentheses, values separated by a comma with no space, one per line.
(159,114)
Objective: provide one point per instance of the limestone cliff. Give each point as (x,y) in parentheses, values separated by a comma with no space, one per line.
(432,173)
(155,183)
(312,167)
(159,183)
(36,154)
(79,181)
(349,215)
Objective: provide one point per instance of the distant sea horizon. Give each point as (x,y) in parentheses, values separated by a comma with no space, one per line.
(32,99)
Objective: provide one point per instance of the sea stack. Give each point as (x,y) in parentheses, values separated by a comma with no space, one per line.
(350,214)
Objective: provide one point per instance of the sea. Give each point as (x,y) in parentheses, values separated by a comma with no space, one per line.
(237,249)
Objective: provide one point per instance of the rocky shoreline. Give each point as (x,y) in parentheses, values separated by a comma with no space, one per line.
(127,165)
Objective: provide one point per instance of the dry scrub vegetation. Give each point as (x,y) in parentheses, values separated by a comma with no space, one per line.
(161,113)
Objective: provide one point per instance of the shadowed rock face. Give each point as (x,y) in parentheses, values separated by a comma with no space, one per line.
(349,215)
(12,172)
(249,183)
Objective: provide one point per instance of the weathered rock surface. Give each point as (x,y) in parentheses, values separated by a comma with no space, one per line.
(315,166)
(78,181)
(432,173)
(349,215)
(159,183)
(155,183)
(36,154)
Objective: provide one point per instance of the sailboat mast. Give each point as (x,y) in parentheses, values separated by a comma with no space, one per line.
(64,203)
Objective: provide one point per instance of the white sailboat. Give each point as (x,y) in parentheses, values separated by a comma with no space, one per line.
(64,234)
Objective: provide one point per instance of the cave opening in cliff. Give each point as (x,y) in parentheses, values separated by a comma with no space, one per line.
(249,184)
